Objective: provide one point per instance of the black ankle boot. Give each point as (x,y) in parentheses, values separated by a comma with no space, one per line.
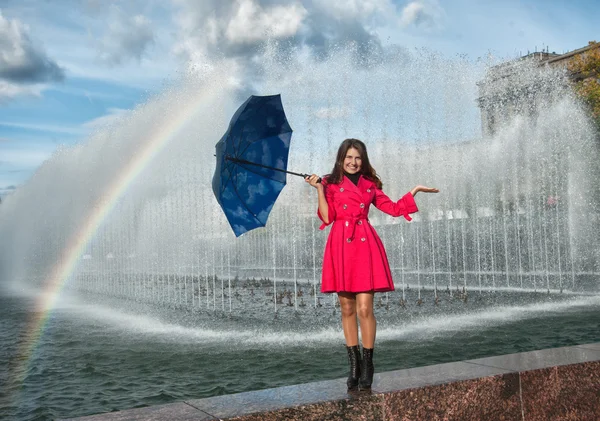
(354,360)
(366,375)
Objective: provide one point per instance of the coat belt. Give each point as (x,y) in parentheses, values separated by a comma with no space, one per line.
(351,224)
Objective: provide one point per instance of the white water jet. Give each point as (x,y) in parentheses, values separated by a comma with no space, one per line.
(493,225)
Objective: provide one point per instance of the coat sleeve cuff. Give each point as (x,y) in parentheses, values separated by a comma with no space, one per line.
(324,224)
(410,206)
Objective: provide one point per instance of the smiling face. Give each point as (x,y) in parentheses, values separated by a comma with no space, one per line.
(352,161)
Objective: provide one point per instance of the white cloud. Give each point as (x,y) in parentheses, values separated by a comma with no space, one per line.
(24,67)
(10,91)
(233,28)
(251,22)
(361,10)
(214,28)
(253,33)
(427,14)
(128,37)
(20,60)
(81,41)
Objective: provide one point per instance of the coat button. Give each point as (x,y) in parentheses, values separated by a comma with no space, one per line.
(359,222)
(368,190)
(363,239)
(349,240)
(345,206)
(347,223)
(341,189)
(362,205)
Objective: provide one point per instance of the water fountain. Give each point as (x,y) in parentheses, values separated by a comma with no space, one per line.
(127,218)
(511,216)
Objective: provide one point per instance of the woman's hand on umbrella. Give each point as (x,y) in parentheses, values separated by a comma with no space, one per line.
(313,180)
(424,189)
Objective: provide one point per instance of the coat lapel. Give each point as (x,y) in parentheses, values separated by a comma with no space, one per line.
(349,185)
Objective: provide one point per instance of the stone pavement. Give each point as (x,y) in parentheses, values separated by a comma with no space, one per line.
(550,384)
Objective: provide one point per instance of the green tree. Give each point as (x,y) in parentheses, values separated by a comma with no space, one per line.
(585,68)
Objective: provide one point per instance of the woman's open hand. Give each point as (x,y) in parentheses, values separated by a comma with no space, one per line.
(424,189)
(313,180)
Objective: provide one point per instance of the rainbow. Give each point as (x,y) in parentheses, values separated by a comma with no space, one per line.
(69,259)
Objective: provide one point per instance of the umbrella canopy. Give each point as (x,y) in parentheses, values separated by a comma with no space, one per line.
(252,159)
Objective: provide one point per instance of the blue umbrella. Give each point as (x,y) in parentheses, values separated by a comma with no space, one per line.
(252,159)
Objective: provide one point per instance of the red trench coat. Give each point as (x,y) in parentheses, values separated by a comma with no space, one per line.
(355,259)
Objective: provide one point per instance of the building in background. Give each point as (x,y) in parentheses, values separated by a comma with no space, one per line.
(516,88)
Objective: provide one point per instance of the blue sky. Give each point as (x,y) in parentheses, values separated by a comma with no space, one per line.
(69,67)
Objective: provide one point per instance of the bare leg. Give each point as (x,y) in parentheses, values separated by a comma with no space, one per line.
(349,323)
(368,324)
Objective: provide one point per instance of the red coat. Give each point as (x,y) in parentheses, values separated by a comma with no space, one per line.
(354,259)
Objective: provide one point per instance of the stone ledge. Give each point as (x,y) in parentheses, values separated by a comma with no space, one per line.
(556,384)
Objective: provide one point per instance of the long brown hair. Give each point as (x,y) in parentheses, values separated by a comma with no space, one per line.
(366,170)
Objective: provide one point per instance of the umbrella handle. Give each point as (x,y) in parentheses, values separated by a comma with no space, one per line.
(308,175)
(243,161)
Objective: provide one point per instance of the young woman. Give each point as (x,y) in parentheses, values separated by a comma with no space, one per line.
(355,264)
